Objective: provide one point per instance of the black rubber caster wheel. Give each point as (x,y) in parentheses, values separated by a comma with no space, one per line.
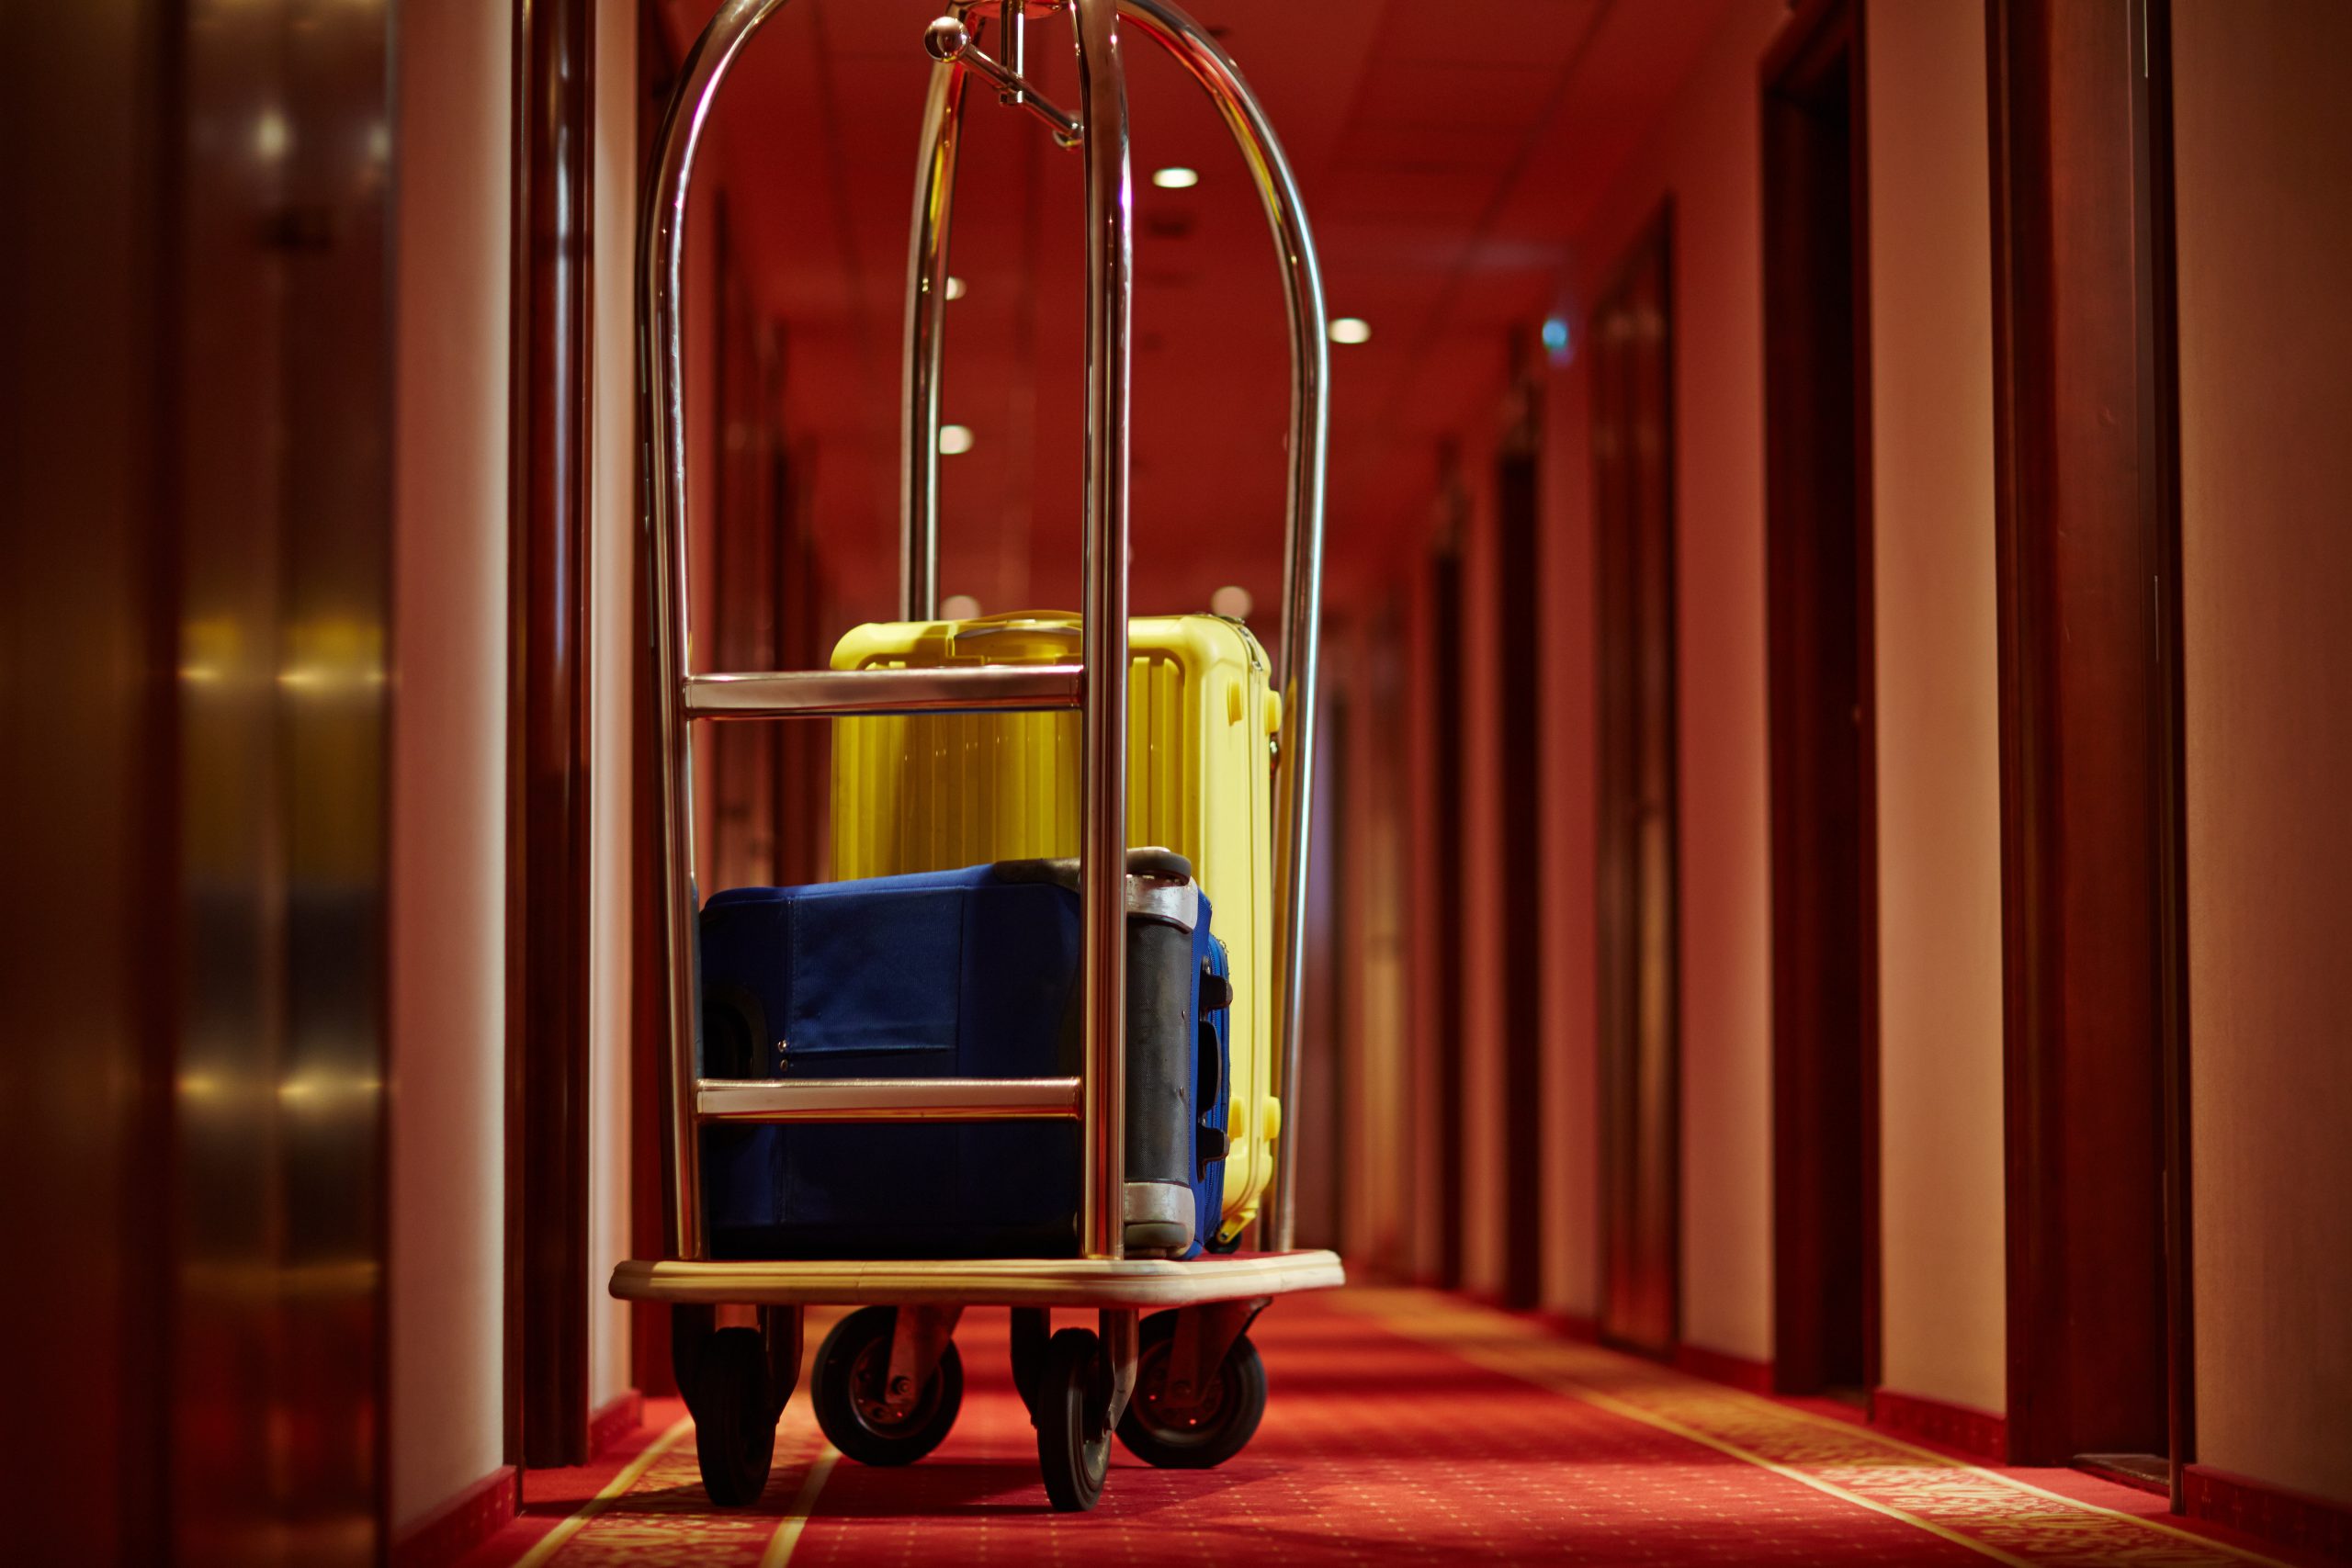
(1073,1440)
(1032,1328)
(1215,1428)
(848,1389)
(734,1423)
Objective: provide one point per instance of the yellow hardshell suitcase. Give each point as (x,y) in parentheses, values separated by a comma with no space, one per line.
(934,792)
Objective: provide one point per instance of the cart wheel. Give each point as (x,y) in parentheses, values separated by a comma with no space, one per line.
(734,1428)
(1073,1396)
(847,1387)
(1213,1430)
(1032,1328)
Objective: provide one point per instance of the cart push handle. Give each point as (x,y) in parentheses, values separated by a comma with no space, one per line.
(1099,129)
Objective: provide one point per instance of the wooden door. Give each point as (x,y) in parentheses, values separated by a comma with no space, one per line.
(2085,528)
(1824,765)
(1450,906)
(747,612)
(1518,515)
(1632,449)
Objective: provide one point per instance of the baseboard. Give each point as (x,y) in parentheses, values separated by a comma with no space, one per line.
(2273,1513)
(462,1523)
(1573,1326)
(1720,1366)
(1979,1434)
(614,1420)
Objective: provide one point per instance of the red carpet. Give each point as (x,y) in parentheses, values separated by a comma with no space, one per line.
(1403,1427)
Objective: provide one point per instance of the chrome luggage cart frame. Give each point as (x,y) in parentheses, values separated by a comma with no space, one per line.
(740,1319)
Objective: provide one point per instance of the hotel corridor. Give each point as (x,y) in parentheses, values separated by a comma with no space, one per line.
(1493,781)
(1405,1426)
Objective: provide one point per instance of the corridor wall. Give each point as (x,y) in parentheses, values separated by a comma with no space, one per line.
(1940,1150)
(1378,1164)
(453,153)
(1702,157)
(1942,1122)
(2262,138)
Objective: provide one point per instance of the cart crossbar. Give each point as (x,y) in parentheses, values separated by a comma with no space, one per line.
(834,693)
(888,1100)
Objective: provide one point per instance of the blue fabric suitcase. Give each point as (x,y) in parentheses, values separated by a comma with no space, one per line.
(957,974)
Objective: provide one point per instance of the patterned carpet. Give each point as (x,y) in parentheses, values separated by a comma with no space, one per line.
(1403,1427)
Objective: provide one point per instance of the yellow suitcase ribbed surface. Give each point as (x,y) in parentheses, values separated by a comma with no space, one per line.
(933,792)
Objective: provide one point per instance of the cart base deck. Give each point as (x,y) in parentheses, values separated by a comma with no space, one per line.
(1148,1283)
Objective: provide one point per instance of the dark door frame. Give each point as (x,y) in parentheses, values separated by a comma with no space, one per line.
(2086,550)
(548,849)
(1518,527)
(2160,427)
(1822,656)
(751,545)
(1635,671)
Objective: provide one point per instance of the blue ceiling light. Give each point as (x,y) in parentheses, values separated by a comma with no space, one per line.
(1555,338)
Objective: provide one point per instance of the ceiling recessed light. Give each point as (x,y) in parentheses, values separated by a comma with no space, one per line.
(1350,329)
(955,440)
(955,287)
(1233,602)
(1175,178)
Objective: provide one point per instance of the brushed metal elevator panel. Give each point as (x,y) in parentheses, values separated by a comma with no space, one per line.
(284,454)
(194,729)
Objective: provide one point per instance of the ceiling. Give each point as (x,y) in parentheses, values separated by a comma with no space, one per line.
(1448,156)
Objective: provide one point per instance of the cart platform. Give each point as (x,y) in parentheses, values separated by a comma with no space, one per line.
(1148,1283)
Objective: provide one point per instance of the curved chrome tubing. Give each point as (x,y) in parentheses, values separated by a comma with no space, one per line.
(1296,658)
(1102,120)
(1102,639)
(662,242)
(943,121)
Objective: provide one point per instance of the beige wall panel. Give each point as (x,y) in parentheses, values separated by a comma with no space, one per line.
(1941,1164)
(1571,1087)
(447,981)
(2264,137)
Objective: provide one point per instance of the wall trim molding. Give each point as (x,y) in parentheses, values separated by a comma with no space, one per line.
(551,759)
(1582,1327)
(1742,1373)
(1979,1434)
(462,1523)
(2271,1512)
(614,1420)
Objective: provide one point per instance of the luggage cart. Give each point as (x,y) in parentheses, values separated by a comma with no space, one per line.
(889,1379)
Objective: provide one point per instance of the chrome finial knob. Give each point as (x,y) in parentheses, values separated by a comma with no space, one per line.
(947,38)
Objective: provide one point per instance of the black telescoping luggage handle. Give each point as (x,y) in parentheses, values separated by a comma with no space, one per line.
(1109,187)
